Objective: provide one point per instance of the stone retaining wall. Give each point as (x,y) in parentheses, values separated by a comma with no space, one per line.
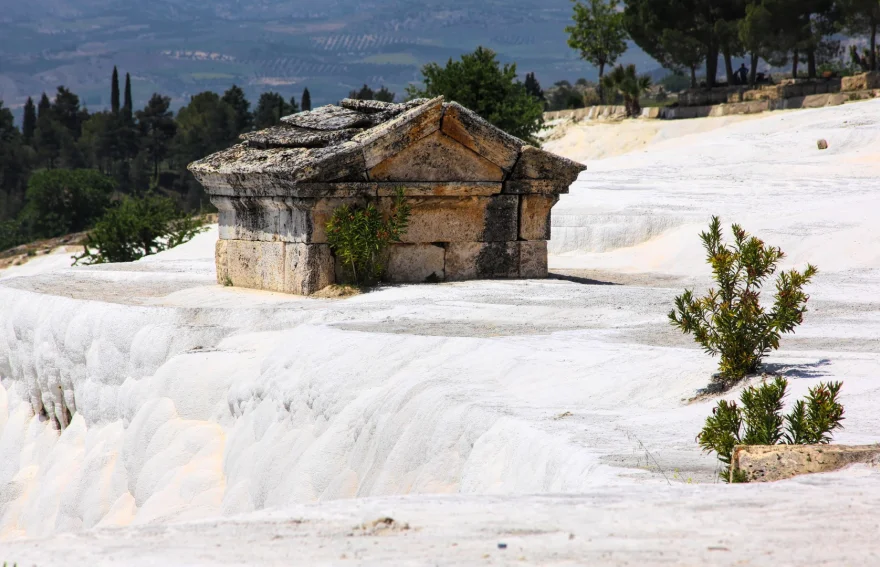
(728,109)
(765,463)
(599,112)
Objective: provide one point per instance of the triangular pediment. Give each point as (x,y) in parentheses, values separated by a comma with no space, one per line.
(436,157)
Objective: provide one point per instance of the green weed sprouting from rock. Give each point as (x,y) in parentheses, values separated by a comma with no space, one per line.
(359,236)
(730,320)
(759,421)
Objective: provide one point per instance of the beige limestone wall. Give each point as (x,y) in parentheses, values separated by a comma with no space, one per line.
(765,463)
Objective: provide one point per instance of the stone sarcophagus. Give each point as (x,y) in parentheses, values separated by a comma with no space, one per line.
(480,198)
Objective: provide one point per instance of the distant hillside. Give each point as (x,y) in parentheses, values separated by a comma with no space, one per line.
(181,47)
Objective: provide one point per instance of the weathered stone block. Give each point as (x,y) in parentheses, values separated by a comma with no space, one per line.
(481,260)
(534,216)
(861,82)
(220,261)
(416,263)
(459,219)
(436,157)
(257,265)
(274,266)
(307,268)
(474,133)
(538,164)
(278,219)
(764,463)
(386,140)
(440,189)
(543,186)
(252,218)
(533,259)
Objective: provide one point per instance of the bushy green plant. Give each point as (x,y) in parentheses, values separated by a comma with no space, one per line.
(479,82)
(625,82)
(61,201)
(359,236)
(11,234)
(759,420)
(730,320)
(138,227)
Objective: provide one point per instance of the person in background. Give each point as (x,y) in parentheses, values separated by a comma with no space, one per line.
(743,74)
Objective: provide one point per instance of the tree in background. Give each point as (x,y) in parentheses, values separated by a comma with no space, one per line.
(685,53)
(61,201)
(384,95)
(66,110)
(44,106)
(661,30)
(271,108)
(114,92)
(306,100)
(128,105)
(756,35)
(204,126)
(29,124)
(480,83)
(625,82)
(14,168)
(366,93)
(862,17)
(677,33)
(48,135)
(598,34)
(533,87)
(100,141)
(158,128)
(234,97)
(138,227)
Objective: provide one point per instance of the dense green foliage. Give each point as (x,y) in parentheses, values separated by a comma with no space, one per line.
(271,108)
(130,150)
(759,420)
(366,93)
(136,227)
(478,82)
(598,34)
(360,237)
(730,320)
(533,87)
(61,201)
(685,34)
(626,82)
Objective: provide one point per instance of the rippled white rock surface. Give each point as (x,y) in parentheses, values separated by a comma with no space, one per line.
(184,401)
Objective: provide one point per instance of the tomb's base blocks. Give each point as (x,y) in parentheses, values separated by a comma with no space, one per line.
(304,269)
(288,267)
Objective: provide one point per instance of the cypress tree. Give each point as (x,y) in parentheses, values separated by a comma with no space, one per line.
(533,87)
(44,107)
(114,92)
(127,107)
(306,101)
(30,121)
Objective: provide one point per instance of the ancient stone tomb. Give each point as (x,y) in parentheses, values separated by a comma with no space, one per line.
(480,198)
